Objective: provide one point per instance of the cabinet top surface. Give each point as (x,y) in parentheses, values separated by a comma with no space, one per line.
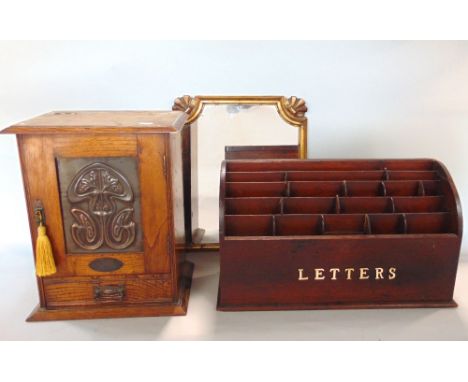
(72,122)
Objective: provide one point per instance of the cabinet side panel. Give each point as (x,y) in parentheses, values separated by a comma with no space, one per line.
(177,199)
(177,187)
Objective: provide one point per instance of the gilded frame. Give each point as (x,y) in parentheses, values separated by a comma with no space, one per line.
(292,110)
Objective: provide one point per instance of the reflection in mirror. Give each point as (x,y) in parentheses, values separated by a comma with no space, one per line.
(228,125)
(276,125)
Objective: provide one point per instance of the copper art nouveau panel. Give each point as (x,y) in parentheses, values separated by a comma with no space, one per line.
(100,204)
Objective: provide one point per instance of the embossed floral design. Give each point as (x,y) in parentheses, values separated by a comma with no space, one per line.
(101,186)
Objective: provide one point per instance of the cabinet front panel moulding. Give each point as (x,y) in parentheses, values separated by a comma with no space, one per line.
(40,179)
(24,160)
(133,263)
(82,146)
(38,159)
(155,213)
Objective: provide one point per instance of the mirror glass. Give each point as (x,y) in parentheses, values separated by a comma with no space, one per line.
(219,126)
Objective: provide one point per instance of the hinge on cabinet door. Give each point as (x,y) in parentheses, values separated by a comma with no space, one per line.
(164,165)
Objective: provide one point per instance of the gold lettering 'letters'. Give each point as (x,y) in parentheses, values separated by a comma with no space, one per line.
(379,273)
(334,271)
(319,274)
(301,275)
(362,273)
(349,273)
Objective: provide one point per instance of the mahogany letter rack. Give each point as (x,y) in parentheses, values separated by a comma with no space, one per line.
(320,234)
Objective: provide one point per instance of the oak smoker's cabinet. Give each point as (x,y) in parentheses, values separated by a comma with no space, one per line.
(109,185)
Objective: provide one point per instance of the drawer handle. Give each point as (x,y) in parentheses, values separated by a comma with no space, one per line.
(109,293)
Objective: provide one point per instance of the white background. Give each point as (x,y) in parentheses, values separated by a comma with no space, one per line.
(366,99)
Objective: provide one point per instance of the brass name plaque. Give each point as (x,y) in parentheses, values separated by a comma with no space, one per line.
(334,274)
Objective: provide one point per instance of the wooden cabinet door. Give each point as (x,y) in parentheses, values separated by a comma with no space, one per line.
(105,199)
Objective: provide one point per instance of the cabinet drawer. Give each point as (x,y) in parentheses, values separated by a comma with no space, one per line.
(98,291)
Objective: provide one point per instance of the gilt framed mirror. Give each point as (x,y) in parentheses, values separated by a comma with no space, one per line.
(232,127)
